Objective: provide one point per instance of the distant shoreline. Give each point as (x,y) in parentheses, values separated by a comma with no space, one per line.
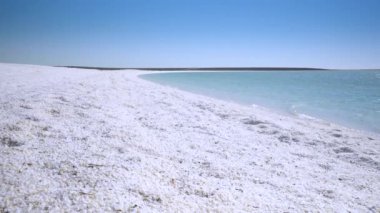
(199,68)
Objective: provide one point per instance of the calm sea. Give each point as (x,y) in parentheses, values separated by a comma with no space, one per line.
(350,98)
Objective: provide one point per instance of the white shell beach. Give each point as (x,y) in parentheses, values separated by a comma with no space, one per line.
(85,140)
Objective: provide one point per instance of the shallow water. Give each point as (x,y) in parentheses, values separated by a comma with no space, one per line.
(350,98)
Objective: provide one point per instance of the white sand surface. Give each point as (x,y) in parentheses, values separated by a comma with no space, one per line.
(84,140)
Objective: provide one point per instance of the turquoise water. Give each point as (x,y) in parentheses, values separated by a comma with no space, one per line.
(350,98)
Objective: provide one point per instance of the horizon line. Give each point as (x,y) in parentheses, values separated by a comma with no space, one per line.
(210,68)
(196,67)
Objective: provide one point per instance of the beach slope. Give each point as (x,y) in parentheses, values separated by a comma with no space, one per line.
(87,140)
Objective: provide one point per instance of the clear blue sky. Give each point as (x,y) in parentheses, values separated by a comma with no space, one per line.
(168,33)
